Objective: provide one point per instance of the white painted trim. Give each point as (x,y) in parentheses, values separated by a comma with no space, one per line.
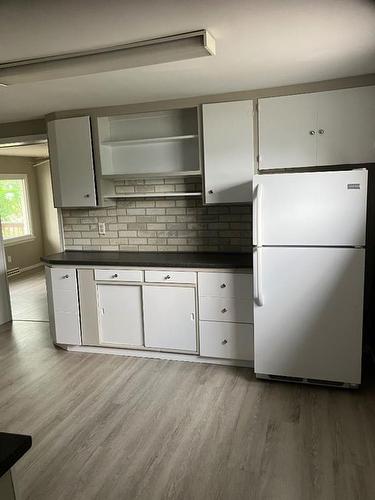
(23,140)
(19,240)
(28,211)
(157,355)
(25,269)
(29,268)
(42,162)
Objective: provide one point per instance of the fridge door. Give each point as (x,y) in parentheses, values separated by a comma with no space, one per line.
(309,322)
(5,310)
(314,208)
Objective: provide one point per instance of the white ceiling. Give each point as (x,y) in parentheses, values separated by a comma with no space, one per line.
(30,151)
(259,44)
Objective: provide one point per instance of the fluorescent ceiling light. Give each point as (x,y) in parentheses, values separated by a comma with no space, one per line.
(131,55)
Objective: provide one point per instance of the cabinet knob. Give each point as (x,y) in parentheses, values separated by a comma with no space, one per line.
(321,131)
(86,196)
(167,277)
(224,342)
(223,285)
(210,191)
(66,276)
(312,132)
(115,275)
(224,310)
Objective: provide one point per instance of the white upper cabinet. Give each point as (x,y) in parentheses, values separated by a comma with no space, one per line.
(159,143)
(287,131)
(346,126)
(72,165)
(324,128)
(228,151)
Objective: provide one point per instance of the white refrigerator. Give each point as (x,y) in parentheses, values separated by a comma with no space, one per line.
(5,309)
(309,262)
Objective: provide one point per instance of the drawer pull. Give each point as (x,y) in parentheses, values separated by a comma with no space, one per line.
(115,275)
(223,285)
(167,277)
(224,342)
(66,276)
(224,310)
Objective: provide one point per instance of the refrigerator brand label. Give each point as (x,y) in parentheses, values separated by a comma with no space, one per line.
(354,186)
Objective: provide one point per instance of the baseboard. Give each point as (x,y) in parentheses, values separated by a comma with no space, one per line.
(27,268)
(158,355)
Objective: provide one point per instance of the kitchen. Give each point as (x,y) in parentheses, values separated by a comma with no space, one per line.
(222,241)
(136,296)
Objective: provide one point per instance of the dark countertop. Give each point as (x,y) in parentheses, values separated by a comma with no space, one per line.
(12,448)
(152,259)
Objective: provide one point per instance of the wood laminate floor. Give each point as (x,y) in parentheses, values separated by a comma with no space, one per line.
(111,427)
(28,296)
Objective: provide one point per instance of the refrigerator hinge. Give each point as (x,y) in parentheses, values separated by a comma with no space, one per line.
(259,159)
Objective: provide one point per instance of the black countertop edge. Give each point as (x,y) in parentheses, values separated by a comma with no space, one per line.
(12,448)
(152,259)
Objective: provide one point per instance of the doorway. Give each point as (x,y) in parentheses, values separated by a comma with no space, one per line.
(30,225)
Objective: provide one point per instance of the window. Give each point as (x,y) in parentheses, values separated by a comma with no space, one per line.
(15,208)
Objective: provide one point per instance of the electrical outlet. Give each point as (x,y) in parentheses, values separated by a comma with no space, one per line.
(101,228)
(9,257)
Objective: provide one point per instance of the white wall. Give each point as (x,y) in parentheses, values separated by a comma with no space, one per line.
(48,213)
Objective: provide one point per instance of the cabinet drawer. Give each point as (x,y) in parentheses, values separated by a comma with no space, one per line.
(225,285)
(64,279)
(226,340)
(118,275)
(233,310)
(170,277)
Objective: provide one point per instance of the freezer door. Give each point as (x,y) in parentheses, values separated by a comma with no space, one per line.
(310,322)
(314,208)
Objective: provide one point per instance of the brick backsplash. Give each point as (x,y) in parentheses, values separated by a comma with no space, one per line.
(174,224)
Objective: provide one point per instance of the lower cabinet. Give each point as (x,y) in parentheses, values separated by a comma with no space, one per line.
(120,314)
(63,305)
(170,317)
(128,308)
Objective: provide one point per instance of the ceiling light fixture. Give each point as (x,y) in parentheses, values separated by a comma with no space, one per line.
(131,55)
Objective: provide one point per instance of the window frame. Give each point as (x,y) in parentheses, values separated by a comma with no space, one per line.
(30,236)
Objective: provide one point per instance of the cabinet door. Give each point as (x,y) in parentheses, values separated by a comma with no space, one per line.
(169,316)
(228,152)
(287,131)
(346,126)
(120,314)
(72,165)
(63,305)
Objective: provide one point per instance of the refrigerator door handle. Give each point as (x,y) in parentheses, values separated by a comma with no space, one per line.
(258,215)
(258,292)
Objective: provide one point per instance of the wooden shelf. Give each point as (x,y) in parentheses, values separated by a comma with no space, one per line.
(152,140)
(143,175)
(151,195)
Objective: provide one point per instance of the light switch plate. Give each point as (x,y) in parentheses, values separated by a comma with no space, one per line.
(101,228)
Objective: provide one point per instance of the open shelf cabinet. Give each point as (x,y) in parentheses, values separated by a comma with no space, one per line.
(163,143)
